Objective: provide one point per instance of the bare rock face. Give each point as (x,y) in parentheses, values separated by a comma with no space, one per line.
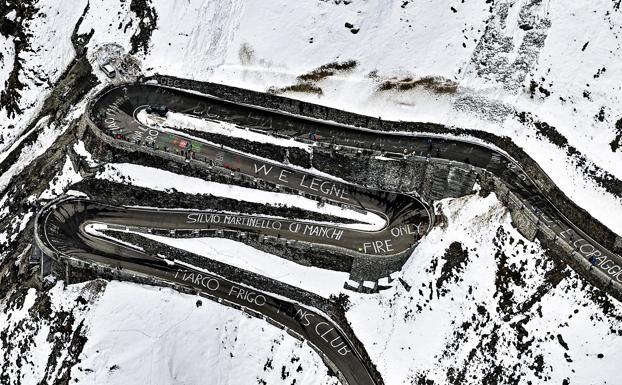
(50,319)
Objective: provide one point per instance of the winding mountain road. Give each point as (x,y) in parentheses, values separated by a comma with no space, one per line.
(63,227)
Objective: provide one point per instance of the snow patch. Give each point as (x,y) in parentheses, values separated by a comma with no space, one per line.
(474,326)
(161,180)
(143,334)
(175,120)
(319,281)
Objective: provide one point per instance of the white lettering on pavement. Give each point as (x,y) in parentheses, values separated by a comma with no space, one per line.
(266,223)
(263,168)
(321,328)
(306,318)
(409,229)
(247,295)
(234,220)
(205,281)
(378,247)
(328,188)
(595,256)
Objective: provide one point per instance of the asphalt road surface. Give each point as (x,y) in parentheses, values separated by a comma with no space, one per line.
(62,229)
(407,218)
(62,225)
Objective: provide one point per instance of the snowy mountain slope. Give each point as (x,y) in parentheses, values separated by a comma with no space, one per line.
(501,67)
(42,332)
(157,336)
(506,313)
(35,49)
(480,304)
(95,333)
(468,64)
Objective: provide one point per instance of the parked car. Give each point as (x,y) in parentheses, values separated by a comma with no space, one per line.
(158,110)
(109,70)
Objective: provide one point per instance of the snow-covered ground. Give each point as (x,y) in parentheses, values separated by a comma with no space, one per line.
(322,282)
(162,337)
(179,120)
(504,57)
(319,281)
(501,313)
(81,151)
(155,336)
(161,180)
(67,176)
(49,54)
(498,314)
(491,53)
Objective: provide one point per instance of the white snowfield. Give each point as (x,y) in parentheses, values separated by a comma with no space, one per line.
(161,180)
(319,281)
(315,280)
(175,120)
(159,336)
(49,55)
(58,185)
(81,151)
(423,333)
(155,336)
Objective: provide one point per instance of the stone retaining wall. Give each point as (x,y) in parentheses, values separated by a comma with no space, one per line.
(430,178)
(531,227)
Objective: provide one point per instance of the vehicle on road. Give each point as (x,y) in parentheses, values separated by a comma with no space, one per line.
(159,110)
(108,70)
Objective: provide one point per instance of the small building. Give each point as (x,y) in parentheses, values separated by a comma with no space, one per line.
(108,70)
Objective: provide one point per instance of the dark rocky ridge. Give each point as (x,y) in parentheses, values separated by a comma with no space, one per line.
(17,29)
(120,194)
